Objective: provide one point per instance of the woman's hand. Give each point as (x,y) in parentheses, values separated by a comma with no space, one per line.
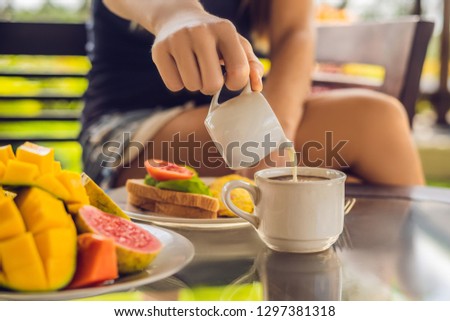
(189,54)
(191,45)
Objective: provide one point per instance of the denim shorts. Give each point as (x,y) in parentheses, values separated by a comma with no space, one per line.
(105,142)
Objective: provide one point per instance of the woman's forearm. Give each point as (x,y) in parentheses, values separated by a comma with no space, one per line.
(190,44)
(152,14)
(289,80)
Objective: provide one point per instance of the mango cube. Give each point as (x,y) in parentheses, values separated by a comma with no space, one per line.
(40,210)
(2,170)
(6,153)
(1,266)
(20,173)
(11,222)
(72,182)
(22,264)
(54,186)
(57,248)
(42,157)
(56,243)
(57,167)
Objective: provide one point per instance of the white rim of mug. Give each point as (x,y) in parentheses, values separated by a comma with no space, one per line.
(312,171)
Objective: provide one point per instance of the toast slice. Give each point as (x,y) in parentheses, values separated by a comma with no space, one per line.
(171,203)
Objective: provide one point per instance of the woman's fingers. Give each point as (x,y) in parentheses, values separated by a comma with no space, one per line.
(233,55)
(187,64)
(256,67)
(191,58)
(208,61)
(167,67)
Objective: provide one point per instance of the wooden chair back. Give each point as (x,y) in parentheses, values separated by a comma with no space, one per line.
(399,46)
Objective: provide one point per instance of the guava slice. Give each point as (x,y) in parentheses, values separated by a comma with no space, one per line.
(136,247)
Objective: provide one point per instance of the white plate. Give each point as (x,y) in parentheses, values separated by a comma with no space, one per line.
(140,215)
(176,253)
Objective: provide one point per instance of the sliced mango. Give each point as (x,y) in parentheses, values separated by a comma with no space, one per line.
(38,243)
(42,157)
(57,167)
(23,271)
(52,185)
(2,276)
(38,238)
(2,170)
(19,173)
(11,222)
(57,247)
(74,208)
(40,210)
(6,153)
(72,182)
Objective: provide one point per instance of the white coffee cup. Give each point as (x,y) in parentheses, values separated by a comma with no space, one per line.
(300,217)
(244,128)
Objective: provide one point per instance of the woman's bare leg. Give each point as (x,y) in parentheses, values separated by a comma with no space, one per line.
(379,147)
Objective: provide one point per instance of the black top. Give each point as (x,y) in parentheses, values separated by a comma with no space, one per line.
(123,76)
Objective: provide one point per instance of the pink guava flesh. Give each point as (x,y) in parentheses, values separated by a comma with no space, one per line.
(124,232)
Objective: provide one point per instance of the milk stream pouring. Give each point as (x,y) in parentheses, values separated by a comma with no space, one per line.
(246,130)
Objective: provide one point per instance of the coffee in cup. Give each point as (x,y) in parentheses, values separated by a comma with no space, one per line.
(300,216)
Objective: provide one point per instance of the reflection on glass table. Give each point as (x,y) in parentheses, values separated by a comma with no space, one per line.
(396,247)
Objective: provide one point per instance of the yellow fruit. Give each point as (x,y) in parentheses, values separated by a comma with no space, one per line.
(6,153)
(99,199)
(40,210)
(2,170)
(41,156)
(56,167)
(37,242)
(52,185)
(19,173)
(25,271)
(57,248)
(38,238)
(239,196)
(11,223)
(72,182)
(34,166)
(74,207)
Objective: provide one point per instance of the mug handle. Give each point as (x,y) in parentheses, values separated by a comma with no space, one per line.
(254,193)
(215,100)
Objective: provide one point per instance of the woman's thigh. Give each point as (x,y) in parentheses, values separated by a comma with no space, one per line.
(360,131)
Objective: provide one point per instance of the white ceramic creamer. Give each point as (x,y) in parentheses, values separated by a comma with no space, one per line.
(244,128)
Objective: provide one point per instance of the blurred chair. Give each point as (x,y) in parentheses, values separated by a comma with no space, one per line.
(399,46)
